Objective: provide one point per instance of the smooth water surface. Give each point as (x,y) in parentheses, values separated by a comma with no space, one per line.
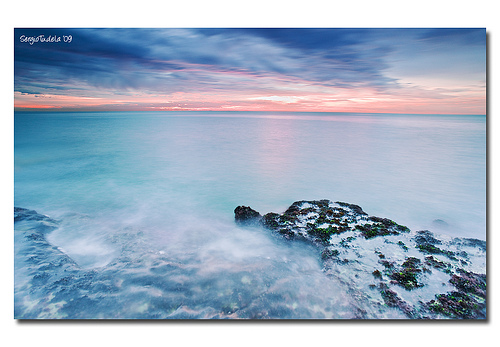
(413,169)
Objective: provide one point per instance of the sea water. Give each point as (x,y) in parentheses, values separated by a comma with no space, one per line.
(164,185)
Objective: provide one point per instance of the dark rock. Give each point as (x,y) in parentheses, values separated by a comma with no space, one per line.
(244,215)
(294,208)
(323,234)
(377,229)
(21,214)
(377,274)
(392,299)
(319,220)
(468,302)
(431,261)
(407,275)
(357,209)
(470,282)
(329,253)
(431,249)
(426,243)
(323,223)
(471,243)
(271,220)
(426,237)
(458,305)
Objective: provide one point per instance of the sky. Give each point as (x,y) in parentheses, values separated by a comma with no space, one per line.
(425,71)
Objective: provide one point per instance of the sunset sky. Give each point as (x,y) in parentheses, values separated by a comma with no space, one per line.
(436,71)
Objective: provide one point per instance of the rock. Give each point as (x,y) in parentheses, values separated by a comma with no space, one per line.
(21,214)
(468,302)
(392,299)
(468,242)
(32,219)
(244,215)
(431,261)
(439,223)
(457,305)
(407,275)
(318,220)
(426,243)
(358,249)
(426,237)
(469,282)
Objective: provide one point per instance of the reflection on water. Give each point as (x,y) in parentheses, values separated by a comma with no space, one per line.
(150,194)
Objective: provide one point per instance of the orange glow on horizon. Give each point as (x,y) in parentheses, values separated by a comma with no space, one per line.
(420,71)
(338,100)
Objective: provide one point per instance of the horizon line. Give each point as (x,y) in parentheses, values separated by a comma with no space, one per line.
(58,110)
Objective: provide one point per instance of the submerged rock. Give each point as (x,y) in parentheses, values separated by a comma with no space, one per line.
(439,223)
(359,250)
(24,214)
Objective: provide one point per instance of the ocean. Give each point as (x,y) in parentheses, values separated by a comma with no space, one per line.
(146,193)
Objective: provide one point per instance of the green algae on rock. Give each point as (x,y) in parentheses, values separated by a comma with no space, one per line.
(469,301)
(418,274)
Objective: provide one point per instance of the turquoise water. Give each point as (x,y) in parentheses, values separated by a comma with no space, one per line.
(413,169)
(145,204)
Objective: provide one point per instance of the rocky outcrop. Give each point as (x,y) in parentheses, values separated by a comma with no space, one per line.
(380,268)
(319,220)
(244,215)
(385,261)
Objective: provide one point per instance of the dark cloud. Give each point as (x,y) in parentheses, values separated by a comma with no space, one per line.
(168,60)
(335,56)
(315,39)
(457,36)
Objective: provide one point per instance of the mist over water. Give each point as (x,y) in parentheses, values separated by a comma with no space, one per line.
(150,197)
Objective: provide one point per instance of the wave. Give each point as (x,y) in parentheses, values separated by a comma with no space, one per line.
(212,270)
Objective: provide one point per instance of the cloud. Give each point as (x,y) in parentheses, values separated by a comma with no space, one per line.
(166,60)
(284,64)
(456,36)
